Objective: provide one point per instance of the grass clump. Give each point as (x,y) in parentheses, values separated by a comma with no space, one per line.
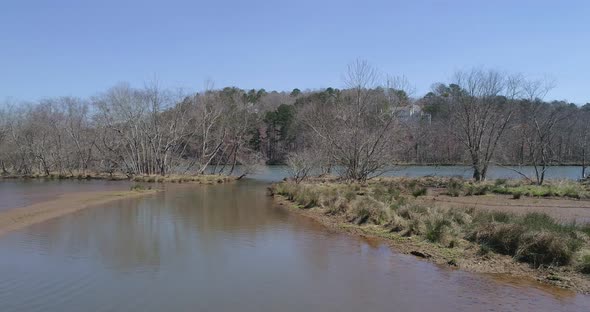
(139,187)
(517,195)
(476,189)
(439,229)
(420,191)
(584,263)
(454,187)
(556,189)
(367,210)
(535,238)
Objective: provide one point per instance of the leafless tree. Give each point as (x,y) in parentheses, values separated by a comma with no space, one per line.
(357,125)
(301,165)
(480,113)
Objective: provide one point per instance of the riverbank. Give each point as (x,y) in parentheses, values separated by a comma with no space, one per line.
(529,245)
(200,179)
(17,218)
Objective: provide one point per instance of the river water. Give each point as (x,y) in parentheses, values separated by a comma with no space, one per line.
(228,248)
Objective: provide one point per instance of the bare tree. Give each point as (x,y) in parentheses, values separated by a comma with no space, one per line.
(539,132)
(584,139)
(480,113)
(357,125)
(300,165)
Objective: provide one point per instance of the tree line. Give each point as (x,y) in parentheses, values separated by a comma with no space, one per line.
(481,118)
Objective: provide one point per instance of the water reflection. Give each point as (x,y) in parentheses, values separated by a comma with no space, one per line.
(224,248)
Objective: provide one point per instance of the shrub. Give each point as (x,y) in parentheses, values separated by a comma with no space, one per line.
(535,238)
(499,182)
(493,216)
(539,221)
(484,250)
(584,263)
(386,194)
(419,192)
(517,195)
(573,192)
(545,247)
(454,187)
(438,228)
(396,223)
(460,216)
(399,203)
(416,226)
(307,197)
(477,189)
(350,195)
(500,237)
(367,210)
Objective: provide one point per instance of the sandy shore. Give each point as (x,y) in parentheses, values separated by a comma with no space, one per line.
(17,218)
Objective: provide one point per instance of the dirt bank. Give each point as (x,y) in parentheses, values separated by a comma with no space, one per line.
(563,209)
(17,218)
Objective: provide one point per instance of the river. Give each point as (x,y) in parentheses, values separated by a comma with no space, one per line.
(228,248)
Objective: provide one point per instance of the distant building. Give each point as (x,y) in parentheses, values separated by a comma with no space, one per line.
(412,112)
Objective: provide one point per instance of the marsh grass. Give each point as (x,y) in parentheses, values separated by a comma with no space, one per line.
(139,187)
(535,238)
(454,187)
(584,262)
(202,179)
(556,189)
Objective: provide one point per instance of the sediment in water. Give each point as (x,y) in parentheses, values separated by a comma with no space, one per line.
(17,218)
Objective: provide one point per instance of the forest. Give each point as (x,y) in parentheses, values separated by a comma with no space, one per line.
(480,118)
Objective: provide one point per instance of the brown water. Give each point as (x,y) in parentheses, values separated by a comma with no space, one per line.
(227,248)
(18,193)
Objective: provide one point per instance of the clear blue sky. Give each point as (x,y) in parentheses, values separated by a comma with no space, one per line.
(67,47)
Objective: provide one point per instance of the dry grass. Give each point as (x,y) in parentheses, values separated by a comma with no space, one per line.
(201,179)
(534,238)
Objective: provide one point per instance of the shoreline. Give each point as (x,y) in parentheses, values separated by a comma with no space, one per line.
(200,179)
(17,218)
(466,260)
(353,209)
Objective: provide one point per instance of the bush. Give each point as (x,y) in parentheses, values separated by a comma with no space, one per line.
(367,210)
(584,263)
(493,216)
(539,221)
(438,229)
(517,195)
(307,197)
(545,247)
(419,192)
(477,189)
(483,250)
(460,216)
(499,182)
(350,195)
(396,223)
(534,238)
(454,187)
(500,237)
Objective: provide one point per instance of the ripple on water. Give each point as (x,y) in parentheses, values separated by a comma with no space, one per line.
(225,248)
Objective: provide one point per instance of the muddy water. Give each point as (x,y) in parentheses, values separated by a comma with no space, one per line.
(20,193)
(227,248)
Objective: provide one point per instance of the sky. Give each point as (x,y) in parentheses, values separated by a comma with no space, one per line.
(81,48)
